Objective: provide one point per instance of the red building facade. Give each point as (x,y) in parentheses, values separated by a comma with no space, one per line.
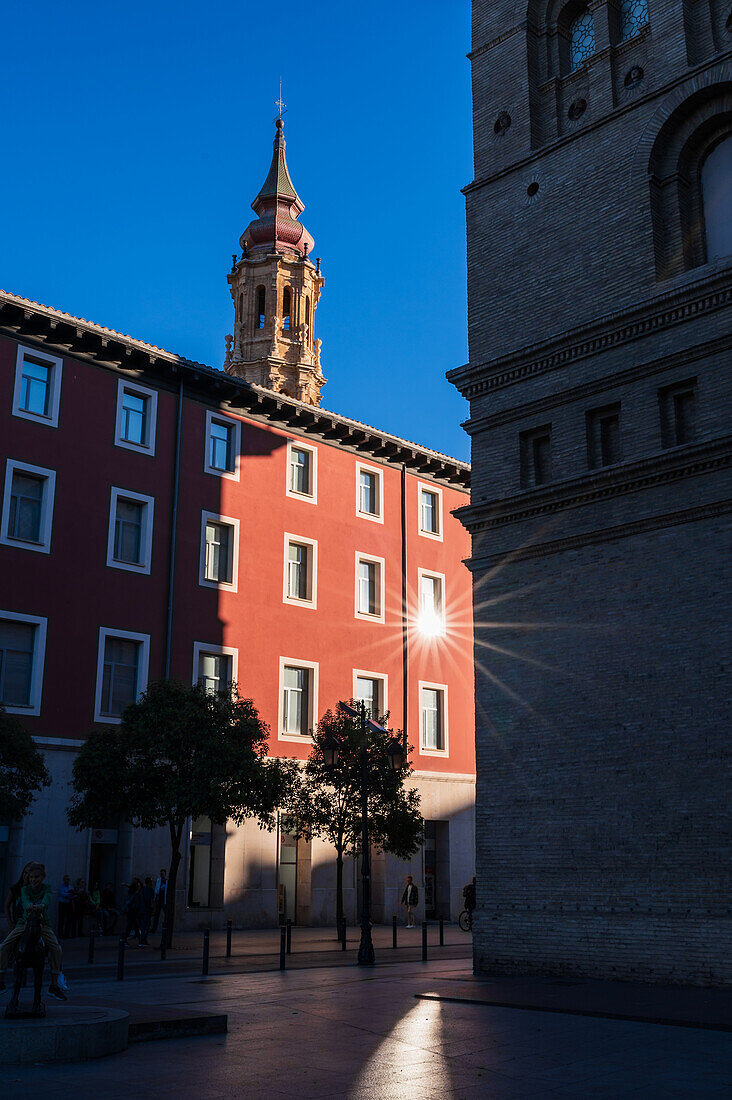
(161,518)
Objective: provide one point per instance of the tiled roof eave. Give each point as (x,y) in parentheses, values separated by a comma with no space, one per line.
(79,338)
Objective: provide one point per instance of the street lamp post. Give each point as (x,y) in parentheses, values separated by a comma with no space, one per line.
(395,752)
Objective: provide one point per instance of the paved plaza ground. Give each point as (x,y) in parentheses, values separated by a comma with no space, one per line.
(360,1033)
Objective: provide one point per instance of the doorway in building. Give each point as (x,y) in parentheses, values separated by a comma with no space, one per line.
(287,887)
(436,869)
(199,863)
(102,858)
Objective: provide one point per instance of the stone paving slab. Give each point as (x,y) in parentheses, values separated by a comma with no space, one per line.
(361,1034)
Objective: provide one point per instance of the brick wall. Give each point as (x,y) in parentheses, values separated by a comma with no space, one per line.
(601,597)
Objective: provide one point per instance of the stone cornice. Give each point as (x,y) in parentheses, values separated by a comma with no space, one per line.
(74,337)
(605,534)
(673,465)
(678,304)
(596,386)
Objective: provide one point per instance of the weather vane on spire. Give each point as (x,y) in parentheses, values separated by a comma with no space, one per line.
(280,103)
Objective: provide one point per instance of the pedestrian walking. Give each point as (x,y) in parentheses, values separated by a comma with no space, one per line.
(410,899)
(65,893)
(161,894)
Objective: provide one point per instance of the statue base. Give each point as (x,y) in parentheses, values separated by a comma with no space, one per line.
(67,1033)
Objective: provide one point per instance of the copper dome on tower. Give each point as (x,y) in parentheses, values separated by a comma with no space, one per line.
(277,206)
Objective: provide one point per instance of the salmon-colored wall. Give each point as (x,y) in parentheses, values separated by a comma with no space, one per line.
(78,593)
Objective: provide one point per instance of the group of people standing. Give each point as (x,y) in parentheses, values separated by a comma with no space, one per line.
(144,905)
(76,902)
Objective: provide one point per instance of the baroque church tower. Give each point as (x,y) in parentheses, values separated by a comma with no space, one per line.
(275,288)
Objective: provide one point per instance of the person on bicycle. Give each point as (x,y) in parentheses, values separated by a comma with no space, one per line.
(469,897)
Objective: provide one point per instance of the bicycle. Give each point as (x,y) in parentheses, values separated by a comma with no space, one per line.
(465,920)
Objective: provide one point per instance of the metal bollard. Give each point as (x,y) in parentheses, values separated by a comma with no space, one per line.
(90,957)
(424,941)
(228,939)
(206,945)
(121,960)
(289,936)
(393,932)
(344,926)
(283,946)
(442,931)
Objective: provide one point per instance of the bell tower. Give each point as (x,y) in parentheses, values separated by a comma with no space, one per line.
(275,288)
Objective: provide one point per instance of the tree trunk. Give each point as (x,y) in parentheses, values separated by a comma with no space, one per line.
(176,832)
(339,890)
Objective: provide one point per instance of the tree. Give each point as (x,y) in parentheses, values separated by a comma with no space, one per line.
(326,802)
(178,753)
(22,768)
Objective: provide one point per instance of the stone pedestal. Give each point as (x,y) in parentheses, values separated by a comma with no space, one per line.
(65,1034)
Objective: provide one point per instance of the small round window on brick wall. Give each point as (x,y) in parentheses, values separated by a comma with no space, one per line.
(502,123)
(532,189)
(576,109)
(633,76)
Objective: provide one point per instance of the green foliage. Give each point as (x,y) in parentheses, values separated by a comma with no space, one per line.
(22,768)
(327,802)
(178,752)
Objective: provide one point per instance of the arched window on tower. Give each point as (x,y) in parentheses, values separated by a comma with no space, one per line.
(261,303)
(716,188)
(633,18)
(286,308)
(581,38)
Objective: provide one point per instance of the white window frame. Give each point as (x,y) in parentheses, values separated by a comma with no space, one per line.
(383,686)
(203,648)
(232,422)
(152,396)
(380,617)
(443,616)
(378,516)
(314,667)
(54,401)
(39,657)
(143,668)
(14,465)
(299,445)
(436,536)
(445,724)
(225,586)
(146,535)
(312,600)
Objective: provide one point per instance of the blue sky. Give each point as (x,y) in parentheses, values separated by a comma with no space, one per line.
(137,136)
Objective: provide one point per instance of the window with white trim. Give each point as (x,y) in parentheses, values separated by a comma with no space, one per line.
(370,688)
(369,503)
(219,551)
(301,471)
(223,444)
(433,718)
(431,616)
(27,512)
(129,540)
(37,390)
(122,670)
(300,581)
(298,698)
(369,587)
(22,651)
(215,667)
(136,421)
(430,512)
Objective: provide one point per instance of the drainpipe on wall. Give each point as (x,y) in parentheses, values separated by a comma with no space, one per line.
(405,635)
(173,533)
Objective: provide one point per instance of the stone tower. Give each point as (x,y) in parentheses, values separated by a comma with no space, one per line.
(275,288)
(599,227)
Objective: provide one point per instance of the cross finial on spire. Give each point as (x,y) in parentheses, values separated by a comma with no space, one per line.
(280,104)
